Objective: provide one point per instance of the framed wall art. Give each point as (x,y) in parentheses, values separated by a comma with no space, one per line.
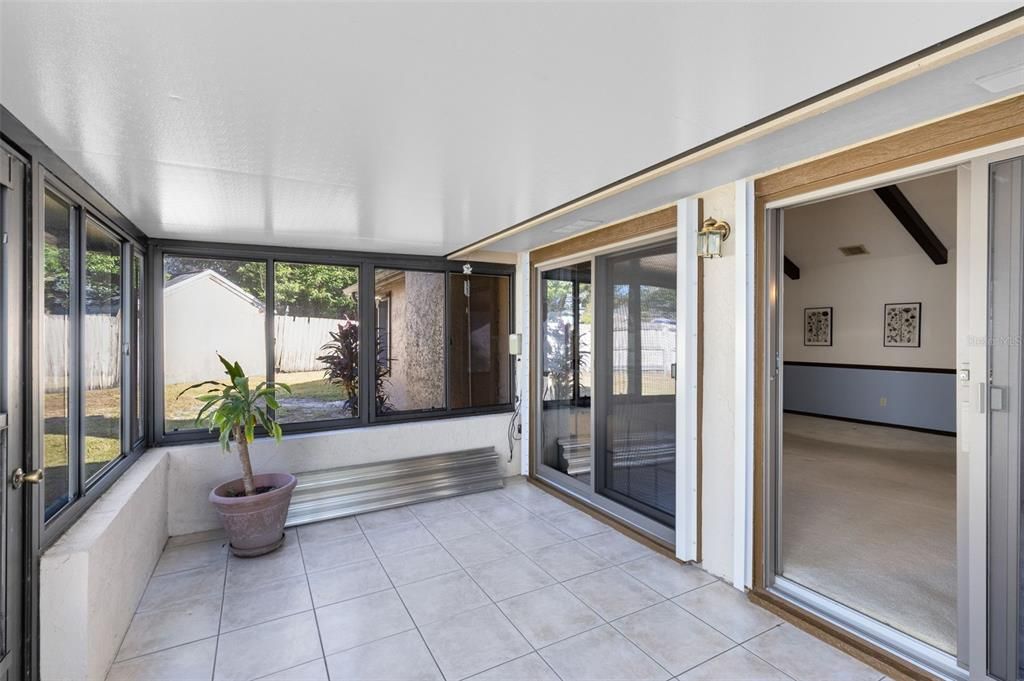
(902,325)
(818,326)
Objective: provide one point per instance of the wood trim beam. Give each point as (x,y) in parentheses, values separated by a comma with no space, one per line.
(899,205)
(790,268)
(991,124)
(609,235)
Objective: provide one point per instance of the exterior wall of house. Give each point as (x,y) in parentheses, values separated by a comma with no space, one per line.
(417,340)
(216,317)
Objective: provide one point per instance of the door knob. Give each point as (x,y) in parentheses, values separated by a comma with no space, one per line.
(20,477)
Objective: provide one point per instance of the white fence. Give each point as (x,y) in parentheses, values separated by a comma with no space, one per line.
(299,340)
(101,336)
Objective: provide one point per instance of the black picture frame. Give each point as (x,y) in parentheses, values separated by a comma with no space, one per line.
(810,326)
(910,311)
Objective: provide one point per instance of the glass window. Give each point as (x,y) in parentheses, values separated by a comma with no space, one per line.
(57,298)
(316,332)
(210,306)
(101,349)
(479,366)
(635,422)
(565,336)
(413,377)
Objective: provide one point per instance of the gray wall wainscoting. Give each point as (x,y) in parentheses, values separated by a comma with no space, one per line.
(915,398)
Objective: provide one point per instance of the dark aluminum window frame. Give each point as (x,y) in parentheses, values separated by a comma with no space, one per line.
(367,263)
(82,495)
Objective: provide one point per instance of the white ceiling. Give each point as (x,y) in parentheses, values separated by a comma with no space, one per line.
(815,232)
(414,127)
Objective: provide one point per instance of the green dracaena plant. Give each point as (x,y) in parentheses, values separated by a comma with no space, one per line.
(235,409)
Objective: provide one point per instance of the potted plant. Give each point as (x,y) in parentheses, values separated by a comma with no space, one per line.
(252,508)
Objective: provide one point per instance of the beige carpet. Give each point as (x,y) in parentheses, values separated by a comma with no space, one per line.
(869,520)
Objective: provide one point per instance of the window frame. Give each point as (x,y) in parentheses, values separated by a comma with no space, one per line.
(367,263)
(82,493)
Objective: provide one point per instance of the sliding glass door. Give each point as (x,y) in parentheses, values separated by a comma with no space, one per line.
(606,344)
(635,444)
(1004,418)
(565,359)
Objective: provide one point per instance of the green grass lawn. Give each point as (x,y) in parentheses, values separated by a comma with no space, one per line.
(312,399)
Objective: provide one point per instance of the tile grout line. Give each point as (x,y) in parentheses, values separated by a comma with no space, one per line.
(398,594)
(220,619)
(149,581)
(312,603)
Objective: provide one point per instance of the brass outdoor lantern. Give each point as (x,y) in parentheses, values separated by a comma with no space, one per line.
(710,237)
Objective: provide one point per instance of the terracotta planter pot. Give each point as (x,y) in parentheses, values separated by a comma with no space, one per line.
(255,525)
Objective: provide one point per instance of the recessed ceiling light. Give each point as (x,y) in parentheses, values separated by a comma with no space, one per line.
(577,226)
(1002,81)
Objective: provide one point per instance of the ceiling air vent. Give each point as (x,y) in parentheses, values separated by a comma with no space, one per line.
(578,226)
(853,250)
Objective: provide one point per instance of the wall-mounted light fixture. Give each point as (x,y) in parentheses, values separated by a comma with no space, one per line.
(710,237)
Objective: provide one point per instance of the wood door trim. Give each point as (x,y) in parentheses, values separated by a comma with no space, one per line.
(607,236)
(854,646)
(998,122)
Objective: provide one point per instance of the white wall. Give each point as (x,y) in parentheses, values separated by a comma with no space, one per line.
(718,459)
(202,317)
(857,290)
(91,579)
(195,469)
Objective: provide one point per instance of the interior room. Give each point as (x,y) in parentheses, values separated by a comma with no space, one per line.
(869,492)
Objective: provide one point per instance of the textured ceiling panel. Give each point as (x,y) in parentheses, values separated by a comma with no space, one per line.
(413,126)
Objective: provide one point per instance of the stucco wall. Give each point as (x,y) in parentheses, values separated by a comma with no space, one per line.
(718,470)
(195,469)
(91,579)
(417,341)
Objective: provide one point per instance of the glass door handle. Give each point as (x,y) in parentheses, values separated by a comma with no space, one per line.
(20,477)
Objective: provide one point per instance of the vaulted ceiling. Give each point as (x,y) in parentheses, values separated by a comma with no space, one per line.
(413,127)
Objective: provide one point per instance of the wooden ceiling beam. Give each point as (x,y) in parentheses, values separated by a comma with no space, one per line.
(900,206)
(790,268)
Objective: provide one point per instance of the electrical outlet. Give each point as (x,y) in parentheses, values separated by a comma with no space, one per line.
(882,401)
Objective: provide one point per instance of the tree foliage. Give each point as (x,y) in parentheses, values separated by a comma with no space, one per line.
(300,290)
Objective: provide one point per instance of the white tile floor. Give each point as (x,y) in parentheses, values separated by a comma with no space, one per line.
(511,584)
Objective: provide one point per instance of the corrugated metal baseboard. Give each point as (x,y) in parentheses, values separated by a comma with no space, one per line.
(339,492)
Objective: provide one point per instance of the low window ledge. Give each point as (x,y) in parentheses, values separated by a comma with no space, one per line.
(91,579)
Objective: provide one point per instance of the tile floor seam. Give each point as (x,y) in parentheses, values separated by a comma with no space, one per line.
(743,645)
(501,664)
(486,595)
(220,619)
(637,645)
(704,586)
(408,614)
(312,602)
(164,650)
(156,609)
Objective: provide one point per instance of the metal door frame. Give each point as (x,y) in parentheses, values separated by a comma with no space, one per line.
(972,488)
(19,564)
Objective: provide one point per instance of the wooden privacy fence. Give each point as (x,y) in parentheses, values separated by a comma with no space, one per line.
(101,351)
(298,342)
